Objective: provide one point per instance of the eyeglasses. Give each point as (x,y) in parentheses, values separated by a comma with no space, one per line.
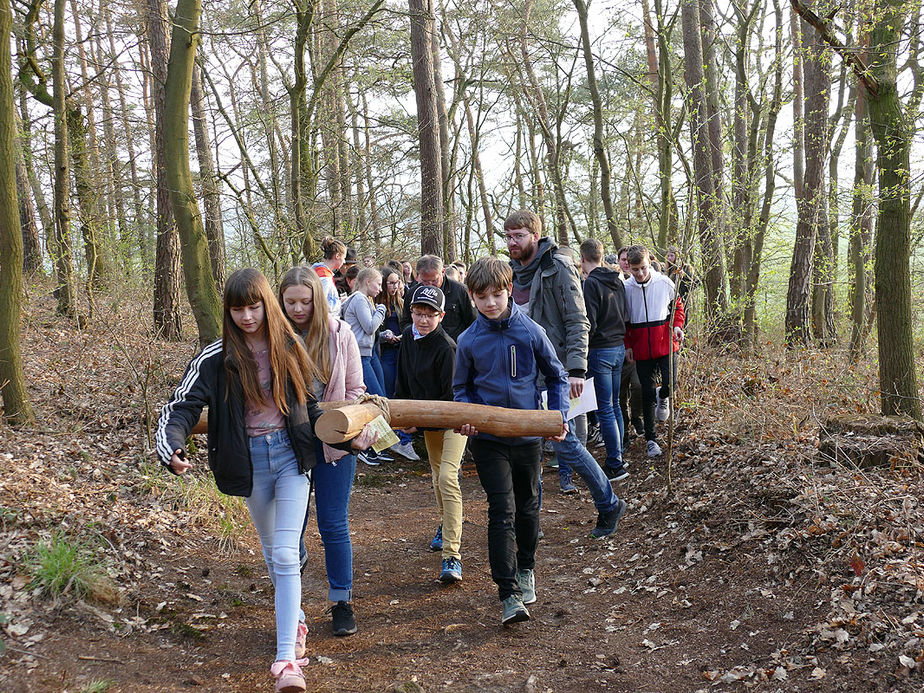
(518,237)
(424,316)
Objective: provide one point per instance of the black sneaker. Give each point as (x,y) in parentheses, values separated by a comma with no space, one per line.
(343,619)
(616,473)
(608,522)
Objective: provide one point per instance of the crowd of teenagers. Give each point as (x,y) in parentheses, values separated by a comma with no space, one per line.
(501,333)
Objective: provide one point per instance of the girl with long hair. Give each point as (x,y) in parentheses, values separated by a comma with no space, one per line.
(332,347)
(256,382)
(390,331)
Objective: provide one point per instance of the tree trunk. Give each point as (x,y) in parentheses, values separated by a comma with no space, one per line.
(707,200)
(431,177)
(62,250)
(662,83)
(599,146)
(861,226)
(893,133)
(16,407)
(32,248)
(812,207)
(167,323)
(214,230)
(200,285)
(446,168)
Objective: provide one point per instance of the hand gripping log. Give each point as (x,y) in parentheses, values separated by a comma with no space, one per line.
(342,421)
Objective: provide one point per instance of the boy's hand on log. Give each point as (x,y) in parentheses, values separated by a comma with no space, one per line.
(467,430)
(412,429)
(365,439)
(179,464)
(577,386)
(561,436)
(630,358)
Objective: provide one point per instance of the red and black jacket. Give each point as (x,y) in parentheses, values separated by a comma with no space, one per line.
(650,323)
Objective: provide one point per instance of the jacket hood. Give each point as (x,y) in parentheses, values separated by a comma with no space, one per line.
(606,276)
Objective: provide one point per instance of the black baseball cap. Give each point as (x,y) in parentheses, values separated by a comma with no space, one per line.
(429,296)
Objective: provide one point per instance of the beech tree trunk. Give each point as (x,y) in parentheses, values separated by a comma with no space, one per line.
(62,246)
(32,248)
(16,407)
(200,285)
(214,230)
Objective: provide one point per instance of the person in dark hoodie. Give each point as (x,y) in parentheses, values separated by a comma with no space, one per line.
(605,300)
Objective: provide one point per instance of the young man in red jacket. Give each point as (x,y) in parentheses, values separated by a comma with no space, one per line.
(654,330)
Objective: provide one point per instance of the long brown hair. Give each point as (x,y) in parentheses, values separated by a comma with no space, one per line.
(392,303)
(318,333)
(288,359)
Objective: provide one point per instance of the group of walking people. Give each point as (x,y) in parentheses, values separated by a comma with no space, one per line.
(499,334)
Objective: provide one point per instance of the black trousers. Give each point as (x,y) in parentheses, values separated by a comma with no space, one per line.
(509,475)
(648,370)
(630,393)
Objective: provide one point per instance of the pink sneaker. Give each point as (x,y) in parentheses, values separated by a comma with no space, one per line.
(301,639)
(289,678)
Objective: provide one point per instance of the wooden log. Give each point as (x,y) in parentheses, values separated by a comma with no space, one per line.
(343,421)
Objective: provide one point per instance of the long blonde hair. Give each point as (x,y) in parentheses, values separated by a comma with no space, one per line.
(288,360)
(318,333)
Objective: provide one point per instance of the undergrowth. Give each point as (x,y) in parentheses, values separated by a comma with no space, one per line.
(64,566)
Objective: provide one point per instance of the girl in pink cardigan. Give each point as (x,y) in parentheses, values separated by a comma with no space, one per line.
(332,347)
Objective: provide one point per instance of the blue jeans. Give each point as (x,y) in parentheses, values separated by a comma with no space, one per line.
(332,483)
(605,365)
(277,505)
(373,376)
(389,361)
(571,452)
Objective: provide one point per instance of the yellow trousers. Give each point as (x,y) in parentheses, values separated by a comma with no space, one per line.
(445,448)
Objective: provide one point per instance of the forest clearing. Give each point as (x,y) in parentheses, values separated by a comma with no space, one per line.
(768,567)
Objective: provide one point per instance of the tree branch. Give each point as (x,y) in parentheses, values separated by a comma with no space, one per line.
(821,25)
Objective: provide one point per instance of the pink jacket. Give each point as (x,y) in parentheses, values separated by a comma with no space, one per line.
(346,373)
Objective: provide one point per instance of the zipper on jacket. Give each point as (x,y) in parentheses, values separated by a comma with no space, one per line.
(513,361)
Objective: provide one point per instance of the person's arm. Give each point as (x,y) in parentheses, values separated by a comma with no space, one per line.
(353,362)
(368,319)
(402,382)
(182,411)
(592,304)
(462,379)
(574,316)
(445,372)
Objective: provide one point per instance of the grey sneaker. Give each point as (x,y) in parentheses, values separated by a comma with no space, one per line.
(514,611)
(566,484)
(405,450)
(527,581)
(608,522)
(654,450)
(663,409)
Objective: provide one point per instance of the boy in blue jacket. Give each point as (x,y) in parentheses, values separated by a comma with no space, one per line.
(499,359)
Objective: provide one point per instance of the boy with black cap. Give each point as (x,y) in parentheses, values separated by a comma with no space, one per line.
(426,365)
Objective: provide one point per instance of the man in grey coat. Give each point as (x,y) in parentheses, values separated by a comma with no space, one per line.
(546,284)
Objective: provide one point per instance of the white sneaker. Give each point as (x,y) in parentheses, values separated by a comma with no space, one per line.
(663,409)
(654,450)
(406,450)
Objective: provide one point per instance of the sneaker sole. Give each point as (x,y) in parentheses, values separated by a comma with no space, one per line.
(569,491)
(344,632)
(618,476)
(518,617)
(449,578)
(434,548)
(531,601)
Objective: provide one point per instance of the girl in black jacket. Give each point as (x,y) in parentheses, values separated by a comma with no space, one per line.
(256,382)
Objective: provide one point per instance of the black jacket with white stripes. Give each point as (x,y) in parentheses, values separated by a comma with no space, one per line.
(205,384)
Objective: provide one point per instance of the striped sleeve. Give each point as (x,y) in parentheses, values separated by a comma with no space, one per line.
(181,413)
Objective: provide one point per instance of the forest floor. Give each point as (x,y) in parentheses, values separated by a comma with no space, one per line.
(761,565)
